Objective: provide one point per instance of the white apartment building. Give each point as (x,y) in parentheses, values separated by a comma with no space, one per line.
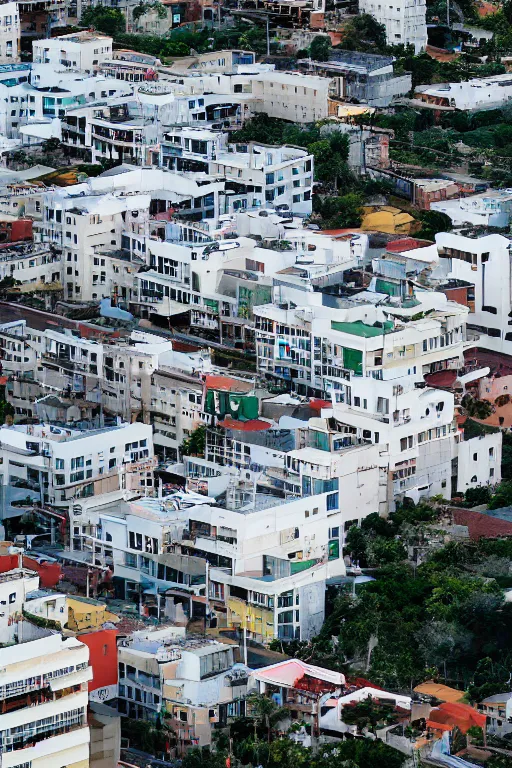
(193,681)
(405,21)
(15,585)
(83,51)
(483,264)
(35,266)
(488,209)
(52,674)
(10,32)
(87,230)
(471,95)
(44,464)
(289,95)
(256,175)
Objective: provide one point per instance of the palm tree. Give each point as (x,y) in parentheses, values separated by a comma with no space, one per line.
(266,713)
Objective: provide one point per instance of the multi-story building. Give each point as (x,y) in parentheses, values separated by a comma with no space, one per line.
(487,209)
(481,264)
(194,682)
(43,715)
(10,31)
(83,51)
(405,21)
(87,230)
(471,95)
(365,77)
(49,467)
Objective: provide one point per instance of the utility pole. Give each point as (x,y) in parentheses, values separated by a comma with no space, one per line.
(448,13)
(268,35)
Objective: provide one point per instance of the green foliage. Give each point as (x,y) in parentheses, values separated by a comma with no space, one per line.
(502,496)
(195,443)
(490,677)
(320,48)
(285,753)
(341,211)
(204,757)
(506,456)
(363,32)
(110,21)
(450,610)
(146,736)
(476,496)
(143,8)
(330,151)
(433,222)
(178,42)
(41,621)
(6,409)
(368,715)
(479,409)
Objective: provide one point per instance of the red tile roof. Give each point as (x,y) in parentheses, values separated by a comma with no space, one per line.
(481,526)
(227,384)
(317,405)
(253,425)
(441,378)
(449,715)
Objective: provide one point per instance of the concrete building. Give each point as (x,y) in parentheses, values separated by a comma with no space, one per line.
(405,21)
(50,467)
(83,51)
(470,95)
(193,681)
(488,209)
(365,77)
(10,32)
(52,674)
(483,264)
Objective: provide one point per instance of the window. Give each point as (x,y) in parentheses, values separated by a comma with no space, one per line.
(59,463)
(12,598)
(135,540)
(332,502)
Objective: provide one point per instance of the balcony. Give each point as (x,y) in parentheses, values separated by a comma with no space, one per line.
(31,737)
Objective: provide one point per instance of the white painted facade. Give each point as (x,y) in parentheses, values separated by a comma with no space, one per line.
(81,51)
(52,731)
(490,209)
(471,95)
(485,263)
(10,31)
(405,21)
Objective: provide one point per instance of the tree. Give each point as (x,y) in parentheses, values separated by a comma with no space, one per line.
(356,544)
(204,757)
(340,212)
(320,48)
(362,31)
(195,443)
(51,145)
(110,21)
(266,713)
(433,222)
(502,496)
